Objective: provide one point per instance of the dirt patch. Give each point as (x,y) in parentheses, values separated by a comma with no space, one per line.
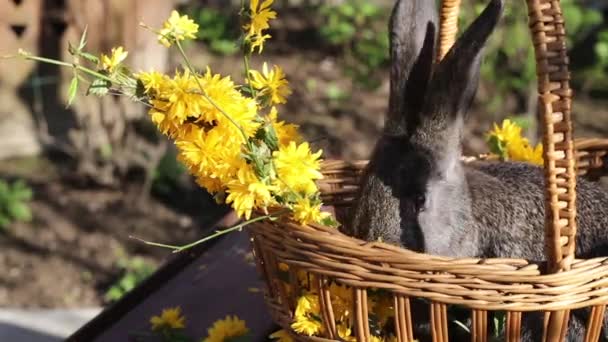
(67,256)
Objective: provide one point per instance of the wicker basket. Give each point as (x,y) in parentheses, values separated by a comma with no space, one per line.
(561,284)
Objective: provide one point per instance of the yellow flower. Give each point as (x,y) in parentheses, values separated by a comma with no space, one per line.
(177,28)
(179,99)
(258,41)
(260,15)
(536,156)
(153,81)
(242,110)
(247,192)
(298,167)
(118,55)
(282,336)
(306,315)
(342,300)
(225,329)
(509,131)
(271,83)
(212,156)
(170,318)
(384,309)
(286,133)
(345,332)
(522,151)
(513,145)
(306,325)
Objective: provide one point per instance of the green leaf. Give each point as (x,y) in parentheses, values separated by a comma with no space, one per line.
(498,147)
(72,50)
(462,325)
(5,221)
(72,90)
(20,211)
(330,221)
(114,294)
(521,121)
(21,191)
(89,57)
(106,151)
(83,39)
(99,87)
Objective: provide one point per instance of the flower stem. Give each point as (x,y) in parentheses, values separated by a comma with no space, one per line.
(177,249)
(69,65)
(204,92)
(246,57)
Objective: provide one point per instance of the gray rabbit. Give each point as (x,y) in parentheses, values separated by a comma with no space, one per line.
(417,193)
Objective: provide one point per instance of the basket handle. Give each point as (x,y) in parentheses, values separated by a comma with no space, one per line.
(548,36)
(555,96)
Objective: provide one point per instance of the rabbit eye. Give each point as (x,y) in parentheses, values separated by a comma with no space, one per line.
(419,202)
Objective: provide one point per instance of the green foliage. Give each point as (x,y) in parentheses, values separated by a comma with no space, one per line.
(358,27)
(14,203)
(218,30)
(499,322)
(509,66)
(601,49)
(335,94)
(167,174)
(596,76)
(134,271)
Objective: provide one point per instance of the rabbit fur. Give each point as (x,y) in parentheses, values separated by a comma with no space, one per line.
(416,192)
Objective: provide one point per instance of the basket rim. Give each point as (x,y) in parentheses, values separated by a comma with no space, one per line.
(509,284)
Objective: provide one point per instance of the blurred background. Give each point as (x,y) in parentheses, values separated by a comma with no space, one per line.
(76,182)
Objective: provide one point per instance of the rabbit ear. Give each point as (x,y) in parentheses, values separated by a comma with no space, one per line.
(452,89)
(412,34)
(457,76)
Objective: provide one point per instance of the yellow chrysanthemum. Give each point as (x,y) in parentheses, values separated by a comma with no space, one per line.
(508,131)
(271,83)
(298,167)
(257,42)
(384,309)
(306,315)
(177,28)
(304,211)
(345,332)
(515,146)
(153,81)
(117,56)
(225,329)
(212,156)
(342,301)
(286,133)
(260,16)
(170,318)
(247,192)
(179,99)
(522,151)
(223,92)
(282,336)
(308,304)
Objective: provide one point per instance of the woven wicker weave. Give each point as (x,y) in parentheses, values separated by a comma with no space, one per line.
(557,286)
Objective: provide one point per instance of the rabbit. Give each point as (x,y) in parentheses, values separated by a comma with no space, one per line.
(416,192)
